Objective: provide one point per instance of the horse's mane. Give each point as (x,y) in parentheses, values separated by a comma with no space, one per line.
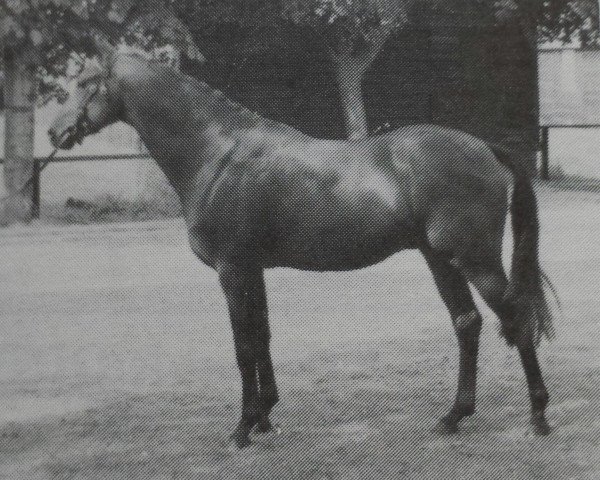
(221,106)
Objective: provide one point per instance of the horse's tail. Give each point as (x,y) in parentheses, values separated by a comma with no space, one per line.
(525,294)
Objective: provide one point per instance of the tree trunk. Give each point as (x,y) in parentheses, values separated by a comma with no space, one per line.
(19,98)
(349,79)
(350,68)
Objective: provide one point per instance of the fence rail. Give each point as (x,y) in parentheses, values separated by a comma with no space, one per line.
(37,161)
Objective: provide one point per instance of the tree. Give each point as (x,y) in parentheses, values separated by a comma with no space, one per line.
(353,32)
(37,37)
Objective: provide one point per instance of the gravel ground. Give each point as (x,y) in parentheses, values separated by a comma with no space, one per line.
(116,362)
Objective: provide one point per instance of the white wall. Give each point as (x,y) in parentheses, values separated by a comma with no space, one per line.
(570,94)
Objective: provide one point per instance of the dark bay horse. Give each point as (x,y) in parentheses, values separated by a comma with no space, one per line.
(257,194)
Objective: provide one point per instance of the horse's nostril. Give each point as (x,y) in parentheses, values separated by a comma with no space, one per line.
(51,133)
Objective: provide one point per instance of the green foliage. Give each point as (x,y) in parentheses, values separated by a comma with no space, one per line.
(52,31)
(208,15)
(71,24)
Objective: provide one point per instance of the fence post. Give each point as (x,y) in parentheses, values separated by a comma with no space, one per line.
(35,190)
(545,147)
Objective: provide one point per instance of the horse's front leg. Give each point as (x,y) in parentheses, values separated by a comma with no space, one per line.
(244,289)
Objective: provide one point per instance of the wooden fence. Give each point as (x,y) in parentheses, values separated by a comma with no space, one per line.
(544,171)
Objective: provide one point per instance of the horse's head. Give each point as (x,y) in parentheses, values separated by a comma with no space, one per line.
(91,106)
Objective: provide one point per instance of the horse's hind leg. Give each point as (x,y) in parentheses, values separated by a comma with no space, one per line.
(466,319)
(490,280)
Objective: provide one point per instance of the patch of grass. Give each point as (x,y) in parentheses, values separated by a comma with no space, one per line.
(110,208)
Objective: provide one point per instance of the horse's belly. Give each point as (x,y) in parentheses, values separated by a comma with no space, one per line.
(339,259)
(342,245)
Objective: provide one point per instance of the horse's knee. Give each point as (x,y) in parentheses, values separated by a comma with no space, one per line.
(467,327)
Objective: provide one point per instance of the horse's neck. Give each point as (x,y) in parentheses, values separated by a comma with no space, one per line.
(175,122)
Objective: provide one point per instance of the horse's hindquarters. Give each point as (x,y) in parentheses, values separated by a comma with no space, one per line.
(466,219)
(459,189)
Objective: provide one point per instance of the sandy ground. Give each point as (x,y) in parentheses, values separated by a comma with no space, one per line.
(116,362)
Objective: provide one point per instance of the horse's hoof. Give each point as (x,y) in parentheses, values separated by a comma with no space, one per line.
(264,426)
(240,439)
(269,429)
(540,427)
(446,427)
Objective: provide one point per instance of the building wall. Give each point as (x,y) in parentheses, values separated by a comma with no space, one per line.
(570,95)
(569,87)
(482,80)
